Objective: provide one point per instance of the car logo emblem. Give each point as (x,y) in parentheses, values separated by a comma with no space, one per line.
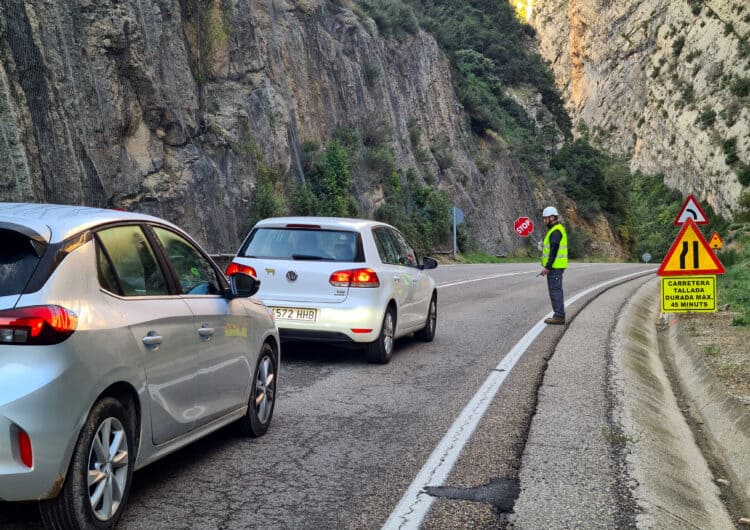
(291,276)
(270,272)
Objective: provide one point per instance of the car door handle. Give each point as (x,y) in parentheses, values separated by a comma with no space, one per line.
(205,332)
(396,280)
(152,340)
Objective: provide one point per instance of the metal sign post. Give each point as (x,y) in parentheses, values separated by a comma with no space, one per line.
(458,218)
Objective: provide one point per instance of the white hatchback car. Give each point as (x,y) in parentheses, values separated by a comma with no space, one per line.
(341,280)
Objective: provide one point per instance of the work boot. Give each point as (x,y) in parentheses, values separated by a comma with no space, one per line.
(554,320)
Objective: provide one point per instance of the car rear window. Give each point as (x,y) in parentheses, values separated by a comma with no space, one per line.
(18,260)
(304,244)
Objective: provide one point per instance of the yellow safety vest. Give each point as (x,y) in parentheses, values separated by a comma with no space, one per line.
(561,260)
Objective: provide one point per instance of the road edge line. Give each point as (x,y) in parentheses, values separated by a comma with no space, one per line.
(415,503)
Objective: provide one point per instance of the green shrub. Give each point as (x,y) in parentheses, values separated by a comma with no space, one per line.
(420,211)
(597,181)
(372,73)
(730,151)
(487,46)
(266,202)
(707,117)
(740,87)
(742,214)
(734,286)
(652,210)
(441,151)
(304,201)
(579,243)
(392,17)
(329,183)
(743,174)
(380,160)
(677,45)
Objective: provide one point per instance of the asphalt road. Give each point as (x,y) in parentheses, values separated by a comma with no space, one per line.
(348,438)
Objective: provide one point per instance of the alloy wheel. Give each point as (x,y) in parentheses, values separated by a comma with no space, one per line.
(388,332)
(108,468)
(432,316)
(265,387)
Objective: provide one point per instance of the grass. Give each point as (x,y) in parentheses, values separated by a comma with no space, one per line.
(734,285)
(479,257)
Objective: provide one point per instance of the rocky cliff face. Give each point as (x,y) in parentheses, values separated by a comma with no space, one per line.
(664,82)
(171,106)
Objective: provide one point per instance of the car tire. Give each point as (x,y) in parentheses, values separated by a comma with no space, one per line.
(380,351)
(262,401)
(427,333)
(108,430)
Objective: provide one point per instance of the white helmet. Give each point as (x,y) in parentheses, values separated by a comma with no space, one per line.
(550,210)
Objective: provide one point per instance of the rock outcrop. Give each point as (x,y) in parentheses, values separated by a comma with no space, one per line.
(665,83)
(171,106)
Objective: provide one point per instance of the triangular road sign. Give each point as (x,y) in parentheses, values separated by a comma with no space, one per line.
(715,241)
(691,210)
(690,254)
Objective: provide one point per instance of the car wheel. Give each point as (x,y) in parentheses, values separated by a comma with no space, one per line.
(101,470)
(427,333)
(381,350)
(262,395)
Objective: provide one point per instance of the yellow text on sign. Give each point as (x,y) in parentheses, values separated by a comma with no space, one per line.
(688,294)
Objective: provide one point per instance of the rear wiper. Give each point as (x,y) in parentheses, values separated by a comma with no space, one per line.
(310,257)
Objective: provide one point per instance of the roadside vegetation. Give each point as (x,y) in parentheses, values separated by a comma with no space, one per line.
(734,286)
(420,211)
(489,51)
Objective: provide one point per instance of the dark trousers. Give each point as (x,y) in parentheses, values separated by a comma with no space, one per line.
(554,285)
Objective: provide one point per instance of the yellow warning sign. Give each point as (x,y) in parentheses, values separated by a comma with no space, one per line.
(688,294)
(715,242)
(690,254)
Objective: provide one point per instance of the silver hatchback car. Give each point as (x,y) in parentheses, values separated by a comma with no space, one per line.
(120,342)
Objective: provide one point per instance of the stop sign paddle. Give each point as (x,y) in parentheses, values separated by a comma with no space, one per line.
(523,226)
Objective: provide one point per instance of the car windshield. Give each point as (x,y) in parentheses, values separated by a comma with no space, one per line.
(303,244)
(18,259)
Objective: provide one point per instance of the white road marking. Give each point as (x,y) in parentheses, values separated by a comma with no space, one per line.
(415,503)
(483,278)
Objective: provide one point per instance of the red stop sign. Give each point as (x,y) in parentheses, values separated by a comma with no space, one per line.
(523,226)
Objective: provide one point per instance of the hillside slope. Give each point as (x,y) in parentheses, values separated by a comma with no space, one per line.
(664,82)
(174,107)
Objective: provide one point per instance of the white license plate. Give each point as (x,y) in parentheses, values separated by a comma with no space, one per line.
(295,313)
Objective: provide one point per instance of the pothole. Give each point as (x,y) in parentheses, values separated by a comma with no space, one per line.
(500,493)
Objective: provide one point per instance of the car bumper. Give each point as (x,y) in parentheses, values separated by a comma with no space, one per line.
(36,398)
(342,323)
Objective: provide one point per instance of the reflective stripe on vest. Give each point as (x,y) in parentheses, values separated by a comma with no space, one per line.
(561,260)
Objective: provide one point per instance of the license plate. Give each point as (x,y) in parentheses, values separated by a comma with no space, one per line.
(295,313)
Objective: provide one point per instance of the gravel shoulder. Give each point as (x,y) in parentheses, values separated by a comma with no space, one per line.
(725,349)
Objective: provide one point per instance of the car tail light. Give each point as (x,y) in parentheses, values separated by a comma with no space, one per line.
(24,448)
(355,278)
(44,324)
(237,267)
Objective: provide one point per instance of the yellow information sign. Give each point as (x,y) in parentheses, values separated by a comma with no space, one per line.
(688,294)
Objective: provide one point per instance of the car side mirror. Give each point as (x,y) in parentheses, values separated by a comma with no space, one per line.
(243,285)
(429,263)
